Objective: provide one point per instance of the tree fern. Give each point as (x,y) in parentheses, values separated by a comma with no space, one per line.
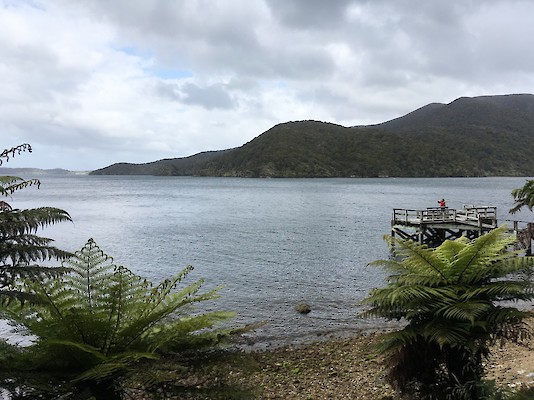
(98,317)
(21,250)
(451,298)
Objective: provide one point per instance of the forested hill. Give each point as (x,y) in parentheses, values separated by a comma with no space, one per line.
(480,136)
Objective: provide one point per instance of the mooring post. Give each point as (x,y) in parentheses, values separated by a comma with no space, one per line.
(530,235)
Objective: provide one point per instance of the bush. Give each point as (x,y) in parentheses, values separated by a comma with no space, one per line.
(97,320)
(452,299)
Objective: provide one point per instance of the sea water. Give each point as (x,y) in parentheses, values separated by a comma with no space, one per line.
(270,243)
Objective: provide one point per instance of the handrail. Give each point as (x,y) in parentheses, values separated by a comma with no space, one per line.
(444,214)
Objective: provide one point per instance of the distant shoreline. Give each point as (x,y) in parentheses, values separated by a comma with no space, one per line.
(36,172)
(40,172)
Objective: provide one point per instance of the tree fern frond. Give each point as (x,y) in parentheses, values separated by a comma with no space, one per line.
(161,303)
(114,365)
(19,245)
(448,251)
(501,291)
(10,184)
(482,251)
(418,257)
(444,333)
(464,311)
(509,325)
(69,345)
(523,197)
(405,295)
(182,333)
(126,289)
(504,315)
(27,271)
(20,222)
(389,265)
(91,268)
(11,152)
(23,254)
(393,341)
(410,279)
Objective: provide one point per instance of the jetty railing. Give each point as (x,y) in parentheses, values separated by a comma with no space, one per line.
(469,214)
(524,232)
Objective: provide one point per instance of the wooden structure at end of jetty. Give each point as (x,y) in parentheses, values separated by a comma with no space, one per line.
(434,225)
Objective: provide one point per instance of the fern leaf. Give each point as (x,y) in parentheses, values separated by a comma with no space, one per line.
(114,365)
(418,258)
(11,152)
(482,252)
(10,184)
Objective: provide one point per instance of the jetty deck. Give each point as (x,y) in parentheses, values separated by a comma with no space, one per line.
(432,226)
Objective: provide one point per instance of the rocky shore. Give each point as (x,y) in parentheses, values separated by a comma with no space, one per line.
(332,369)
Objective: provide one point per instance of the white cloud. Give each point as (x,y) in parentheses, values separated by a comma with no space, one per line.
(96,82)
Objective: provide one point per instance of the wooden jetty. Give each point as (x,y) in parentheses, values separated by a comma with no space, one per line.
(432,226)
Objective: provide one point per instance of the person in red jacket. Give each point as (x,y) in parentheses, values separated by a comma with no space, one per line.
(442,203)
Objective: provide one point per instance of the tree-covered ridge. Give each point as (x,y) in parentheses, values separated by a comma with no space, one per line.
(481,136)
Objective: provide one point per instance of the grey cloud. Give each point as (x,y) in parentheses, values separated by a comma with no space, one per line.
(285,39)
(173,31)
(210,38)
(209,97)
(166,90)
(309,14)
(37,72)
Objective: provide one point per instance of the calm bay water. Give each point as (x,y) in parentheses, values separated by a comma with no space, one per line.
(271,243)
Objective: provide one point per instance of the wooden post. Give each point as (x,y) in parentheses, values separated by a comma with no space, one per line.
(530,235)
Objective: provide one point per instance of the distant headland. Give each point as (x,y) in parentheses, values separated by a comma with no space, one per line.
(478,136)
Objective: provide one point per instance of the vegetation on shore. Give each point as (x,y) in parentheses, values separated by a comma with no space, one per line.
(90,321)
(455,300)
(480,136)
(20,248)
(524,197)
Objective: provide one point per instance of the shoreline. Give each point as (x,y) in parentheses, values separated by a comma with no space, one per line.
(252,342)
(326,369)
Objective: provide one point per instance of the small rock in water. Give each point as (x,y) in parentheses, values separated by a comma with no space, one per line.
(303,308)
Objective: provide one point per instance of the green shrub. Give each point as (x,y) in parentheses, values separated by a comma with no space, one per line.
(99,319)
(455,299)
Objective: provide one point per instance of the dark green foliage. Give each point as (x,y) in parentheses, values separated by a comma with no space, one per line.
(524,197)
(20,248)
(481,136)
(169,167)
(99,319)
(452,299)
(523,394)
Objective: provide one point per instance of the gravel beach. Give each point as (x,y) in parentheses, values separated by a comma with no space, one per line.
(331,369)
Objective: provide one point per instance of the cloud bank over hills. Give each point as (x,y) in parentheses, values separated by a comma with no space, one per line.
(89,83)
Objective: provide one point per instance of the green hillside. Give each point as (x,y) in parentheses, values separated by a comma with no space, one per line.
(481,136)
(186,166)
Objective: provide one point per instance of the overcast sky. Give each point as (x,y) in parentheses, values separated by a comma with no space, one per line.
(92,82)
